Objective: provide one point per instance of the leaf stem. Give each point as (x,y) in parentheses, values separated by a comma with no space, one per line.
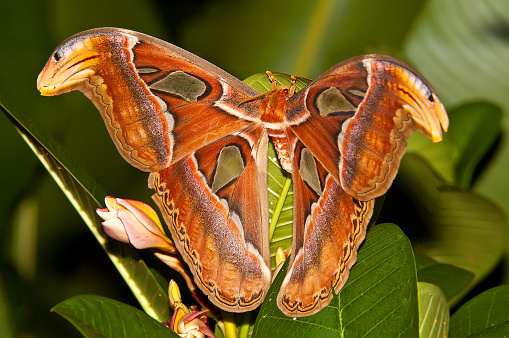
(244,326)
(279,206)
(230,329)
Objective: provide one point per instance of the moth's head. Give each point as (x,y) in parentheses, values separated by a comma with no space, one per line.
(69,66)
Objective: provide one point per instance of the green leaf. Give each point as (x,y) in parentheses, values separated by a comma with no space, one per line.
(469,233)
(474,128)
(379,299)
(84,194)
(96,316)
(486,315)
(453,281)
(459,227)
(433,311)
(261,82)
(438,155)
(461,47)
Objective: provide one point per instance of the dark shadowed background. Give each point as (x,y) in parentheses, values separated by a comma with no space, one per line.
(48,254)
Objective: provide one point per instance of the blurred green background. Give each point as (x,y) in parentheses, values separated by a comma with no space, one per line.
(47,253)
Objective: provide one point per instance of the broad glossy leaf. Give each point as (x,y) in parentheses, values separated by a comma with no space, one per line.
(433,311)
(453,281)
(486,315)
(474,129)
(84,194)
(461,47)
(380,297)
(438,155)
(96,316)
(459,227)
(261,82)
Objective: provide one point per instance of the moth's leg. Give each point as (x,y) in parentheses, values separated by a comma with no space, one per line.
(272,80)
(273,88)
(291,90)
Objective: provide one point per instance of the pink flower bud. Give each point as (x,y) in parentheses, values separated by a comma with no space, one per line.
(134,222)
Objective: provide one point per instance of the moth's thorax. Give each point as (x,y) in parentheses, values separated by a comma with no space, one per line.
(273,107)
(272,115)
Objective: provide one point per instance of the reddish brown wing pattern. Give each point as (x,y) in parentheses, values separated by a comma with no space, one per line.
(350,125)
(329,226)
(202,107)
(363,110)
(150,94)
(174,114)
(216,207)
(203,135)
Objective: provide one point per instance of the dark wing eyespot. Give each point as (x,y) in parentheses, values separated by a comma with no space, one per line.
(57,56)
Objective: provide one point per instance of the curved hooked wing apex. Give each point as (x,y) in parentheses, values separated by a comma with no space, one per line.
(158,101)
(363,110)
(203,135)
(347,132)
(173,114)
